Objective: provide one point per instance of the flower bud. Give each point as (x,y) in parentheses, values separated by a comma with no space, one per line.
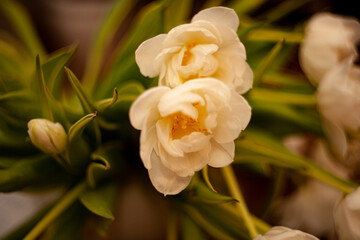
(48,136)
(347,216)
(283,233)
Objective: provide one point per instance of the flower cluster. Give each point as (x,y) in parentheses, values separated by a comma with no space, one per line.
(327,57)
(192,118)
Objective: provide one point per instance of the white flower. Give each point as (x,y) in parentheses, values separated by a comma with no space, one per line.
(347,217)
(187,127)
(206,47)
(328,40)
(283,233)
(339,102)
(48,136)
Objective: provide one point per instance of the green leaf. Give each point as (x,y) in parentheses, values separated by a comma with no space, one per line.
(176,13)
(100,200)
(148,23)
(22,25)
(283,9)
(190,229)
(95,59)
(201,193)
(266,62)
(77,128)
(28,172)
(245,6)
(274,35)
(54,65)
(80,92)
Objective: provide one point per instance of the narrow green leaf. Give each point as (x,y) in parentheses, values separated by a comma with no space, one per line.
(191,230)
(54,65)
(100,200)
(95,59)
(266,62)
(272,96)
(22,24)
(273,35)
(80,92)
(148,23)
(283,9)
(245,6)
(28,172)
(201,193)
(176,13)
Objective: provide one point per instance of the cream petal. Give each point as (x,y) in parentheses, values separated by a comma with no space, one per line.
(221,155)
(144,104)
(148,141)
(233,119)
(146,53)
(337,138)
(198,33)
(193,142)
(165,180)
(219,16)
(187,165)
(163,130)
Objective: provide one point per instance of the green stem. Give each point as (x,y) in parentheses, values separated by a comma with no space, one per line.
(59,208)
(235,191)
(172,226)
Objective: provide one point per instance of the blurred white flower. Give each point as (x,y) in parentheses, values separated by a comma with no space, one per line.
(347,217)
(310,207)
(338,98)
(283,233)
(48,136)
(206,47)
(328,40)
(185,128)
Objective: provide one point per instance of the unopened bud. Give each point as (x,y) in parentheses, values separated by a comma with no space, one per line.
(48,136)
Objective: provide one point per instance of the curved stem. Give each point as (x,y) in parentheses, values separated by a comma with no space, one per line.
(235,191)
(59,208)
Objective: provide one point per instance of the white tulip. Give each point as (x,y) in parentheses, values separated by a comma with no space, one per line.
(206,47)
(48,136)
(328,40)
(283,233)
(347,217)
(187,127)
(339,102)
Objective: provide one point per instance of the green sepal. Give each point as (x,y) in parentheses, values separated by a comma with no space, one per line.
(78,150)
(100,200)
(96,169)
(199,192)
(104,104)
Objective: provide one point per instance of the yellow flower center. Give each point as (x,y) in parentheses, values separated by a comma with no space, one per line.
(187,54)
(182,125)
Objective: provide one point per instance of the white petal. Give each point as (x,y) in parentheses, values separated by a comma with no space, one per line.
(163,131)
(144,104)
(187,165)
(221,155)
(164,180)
(219,16)
(193,142)
(336,136)
(148,141)
(146,53)
(233,119)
